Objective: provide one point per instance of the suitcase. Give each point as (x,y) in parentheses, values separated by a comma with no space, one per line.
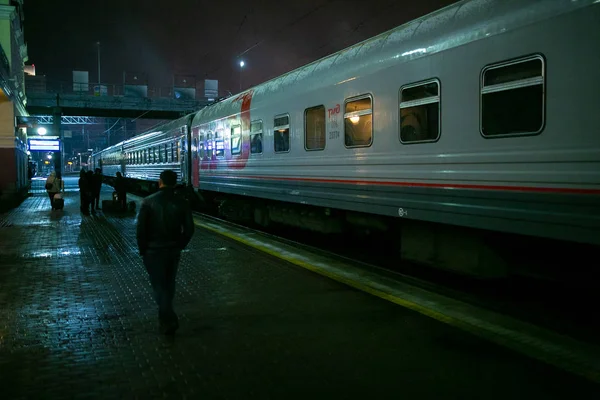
(59,203)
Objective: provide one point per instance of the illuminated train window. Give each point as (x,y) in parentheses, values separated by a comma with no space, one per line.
(420,112)
(256,137)
(236,139)
(209,145)
(219,144)
(512,97)
(169,147)
(314,128)
(281,133)
(358,121)
(202,149)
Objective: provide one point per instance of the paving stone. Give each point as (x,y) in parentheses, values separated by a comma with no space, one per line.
(77,320)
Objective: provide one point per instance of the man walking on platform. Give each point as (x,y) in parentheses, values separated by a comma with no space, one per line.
(164,228)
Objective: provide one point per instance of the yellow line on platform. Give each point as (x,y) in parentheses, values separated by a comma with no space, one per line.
(543,349)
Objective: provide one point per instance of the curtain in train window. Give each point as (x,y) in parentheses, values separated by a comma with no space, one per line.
(256,137)
(314,128)
(358,122)
(420,112)
(281,133)
(512,98)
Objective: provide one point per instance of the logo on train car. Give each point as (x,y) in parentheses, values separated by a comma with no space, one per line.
(334,125)
(221,135)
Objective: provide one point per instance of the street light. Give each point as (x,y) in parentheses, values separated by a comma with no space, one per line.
(242,63)
(42,131)
(98,44)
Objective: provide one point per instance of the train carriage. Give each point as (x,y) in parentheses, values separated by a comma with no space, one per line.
(141,158)
(462,133)
(480,115)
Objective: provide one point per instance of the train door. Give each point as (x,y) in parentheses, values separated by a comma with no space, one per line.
(195,160)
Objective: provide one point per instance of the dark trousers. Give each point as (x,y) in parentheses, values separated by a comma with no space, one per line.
(51,195)
(122,202)
(96,199)
(161,265)
(85,202)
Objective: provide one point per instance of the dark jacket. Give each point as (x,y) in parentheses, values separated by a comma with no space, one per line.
(97,182)
(165,221)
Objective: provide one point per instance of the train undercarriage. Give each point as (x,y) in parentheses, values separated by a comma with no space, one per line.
(465,251)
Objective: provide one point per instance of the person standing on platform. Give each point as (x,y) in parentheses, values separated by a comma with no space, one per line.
(54,185)
(91,181)
(97,188)
(121,189)
(164,228)
(83,190)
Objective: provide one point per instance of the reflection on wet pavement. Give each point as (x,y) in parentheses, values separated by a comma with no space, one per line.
(77,320)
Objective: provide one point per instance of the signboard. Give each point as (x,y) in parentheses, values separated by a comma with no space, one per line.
(80,81)
(100,90)
(211,88)
(44,145)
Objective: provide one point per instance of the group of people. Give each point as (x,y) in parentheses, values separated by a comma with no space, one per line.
(164,228)
(90,184)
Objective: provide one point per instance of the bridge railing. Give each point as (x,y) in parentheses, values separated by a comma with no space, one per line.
(110,89)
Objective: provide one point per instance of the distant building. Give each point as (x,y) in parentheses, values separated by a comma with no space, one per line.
(13,140)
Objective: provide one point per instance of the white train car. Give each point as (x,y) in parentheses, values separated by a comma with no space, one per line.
(475,120)
(147,155)
(142,158)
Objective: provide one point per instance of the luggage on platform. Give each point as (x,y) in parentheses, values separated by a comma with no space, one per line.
(58,202)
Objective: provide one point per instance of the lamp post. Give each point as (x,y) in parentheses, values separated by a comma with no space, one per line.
(98,44)
(242,63)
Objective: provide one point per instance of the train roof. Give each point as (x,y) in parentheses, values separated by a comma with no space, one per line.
(452,26)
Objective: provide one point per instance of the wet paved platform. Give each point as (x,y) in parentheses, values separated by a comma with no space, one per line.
(77,320)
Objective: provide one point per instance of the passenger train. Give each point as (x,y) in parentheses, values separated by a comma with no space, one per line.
(464,134)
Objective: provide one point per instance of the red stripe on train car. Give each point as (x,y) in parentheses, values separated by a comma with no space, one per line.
(421,184)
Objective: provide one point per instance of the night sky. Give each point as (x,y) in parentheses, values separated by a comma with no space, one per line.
(201,38)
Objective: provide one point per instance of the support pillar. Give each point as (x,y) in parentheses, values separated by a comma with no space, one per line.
(56,129)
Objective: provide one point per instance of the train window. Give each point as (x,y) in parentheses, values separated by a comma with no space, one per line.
(256,136)
(512,98)
(202,148)
(236,139)
(314,128)
(420,112)
(178,145)
(281,133)
(358,122)
(195,148)
(219,144)
(209,145)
